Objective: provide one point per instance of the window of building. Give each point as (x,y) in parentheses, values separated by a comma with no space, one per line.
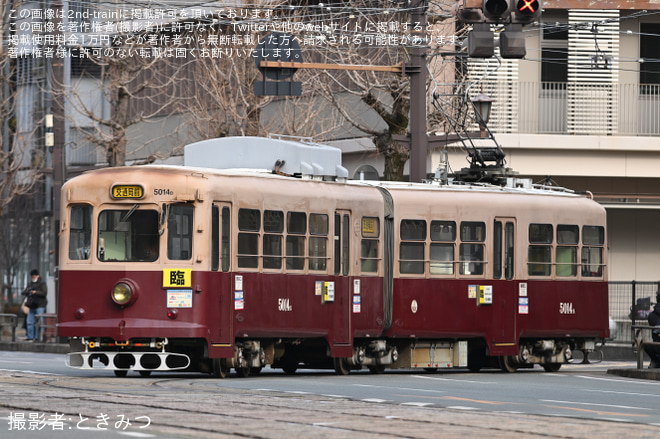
(554,52)
(649,51)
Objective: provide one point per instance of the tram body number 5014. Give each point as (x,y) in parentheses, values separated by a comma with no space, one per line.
(163,192)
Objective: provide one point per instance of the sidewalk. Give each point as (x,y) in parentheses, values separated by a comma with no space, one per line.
(26,346)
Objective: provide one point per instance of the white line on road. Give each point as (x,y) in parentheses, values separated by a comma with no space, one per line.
(450,379)
(418,404)
(400,388)
(596,405)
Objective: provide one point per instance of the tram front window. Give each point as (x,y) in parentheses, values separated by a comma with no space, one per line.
(128,235)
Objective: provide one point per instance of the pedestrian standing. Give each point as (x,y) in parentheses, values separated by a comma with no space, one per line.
(36,294)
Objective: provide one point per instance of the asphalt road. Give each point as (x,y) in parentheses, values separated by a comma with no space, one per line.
(579,401)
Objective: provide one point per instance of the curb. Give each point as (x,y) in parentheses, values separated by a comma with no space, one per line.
(644,374)
(22,346)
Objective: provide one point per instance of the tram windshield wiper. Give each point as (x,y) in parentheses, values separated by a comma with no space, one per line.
(163,218)
(126,217)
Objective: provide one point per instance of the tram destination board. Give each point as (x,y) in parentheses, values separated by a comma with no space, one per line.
(127,191)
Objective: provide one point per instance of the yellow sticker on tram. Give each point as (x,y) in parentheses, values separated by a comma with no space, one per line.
(177,277)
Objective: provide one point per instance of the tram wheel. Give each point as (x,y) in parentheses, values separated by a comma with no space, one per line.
(290,368)
(145,373)
(341,366)
(552,367)
(507,364)
(220,368)
(255,370)
(121,373)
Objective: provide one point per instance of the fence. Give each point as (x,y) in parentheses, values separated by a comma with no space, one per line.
(630,304)
(576,108)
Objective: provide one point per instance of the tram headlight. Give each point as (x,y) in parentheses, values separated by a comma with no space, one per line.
(124,292)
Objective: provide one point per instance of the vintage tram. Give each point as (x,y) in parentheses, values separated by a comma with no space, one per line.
(197,268)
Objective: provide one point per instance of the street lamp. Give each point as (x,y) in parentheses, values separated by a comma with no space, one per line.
(482,105)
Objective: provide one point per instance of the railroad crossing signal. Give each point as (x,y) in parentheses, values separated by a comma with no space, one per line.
(497,11)
(528,10)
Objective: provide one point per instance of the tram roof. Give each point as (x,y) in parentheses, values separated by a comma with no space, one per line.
(516,186)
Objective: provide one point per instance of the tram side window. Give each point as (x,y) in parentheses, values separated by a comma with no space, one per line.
(249,225)
(369,244)
(180,232)
(272,241)
(568,238)
(593,241)
(411,251)
(471,252)
(443,242)
(318,241)
(540,249)
(296,227)
(215,238)
(220,239)
(224,239)
(80,232)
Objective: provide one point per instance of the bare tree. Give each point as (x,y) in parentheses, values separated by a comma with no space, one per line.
(16,237)
(21,157)
(377,34)
(220,95)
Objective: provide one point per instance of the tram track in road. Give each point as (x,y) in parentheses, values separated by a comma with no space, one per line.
(175,409)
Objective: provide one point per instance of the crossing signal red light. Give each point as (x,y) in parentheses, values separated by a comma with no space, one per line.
(528,10)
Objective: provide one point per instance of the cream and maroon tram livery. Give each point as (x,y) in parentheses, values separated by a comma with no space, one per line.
(198,268)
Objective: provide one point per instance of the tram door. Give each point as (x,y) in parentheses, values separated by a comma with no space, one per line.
(342,262)
(222,300)
(505,294)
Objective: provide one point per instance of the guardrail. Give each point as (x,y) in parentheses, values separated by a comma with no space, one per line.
(46,325)
(652,348)
(9,321)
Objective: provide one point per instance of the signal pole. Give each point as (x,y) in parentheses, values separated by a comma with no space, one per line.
(418,74)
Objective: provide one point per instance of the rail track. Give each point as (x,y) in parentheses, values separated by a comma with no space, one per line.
(203,408)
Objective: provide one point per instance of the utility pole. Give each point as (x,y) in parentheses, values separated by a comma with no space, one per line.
(416,69)
(418,73)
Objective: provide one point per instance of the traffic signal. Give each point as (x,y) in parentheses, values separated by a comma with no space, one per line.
(497,11)
(528,11)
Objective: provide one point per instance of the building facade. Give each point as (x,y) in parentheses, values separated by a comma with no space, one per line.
(582,109)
